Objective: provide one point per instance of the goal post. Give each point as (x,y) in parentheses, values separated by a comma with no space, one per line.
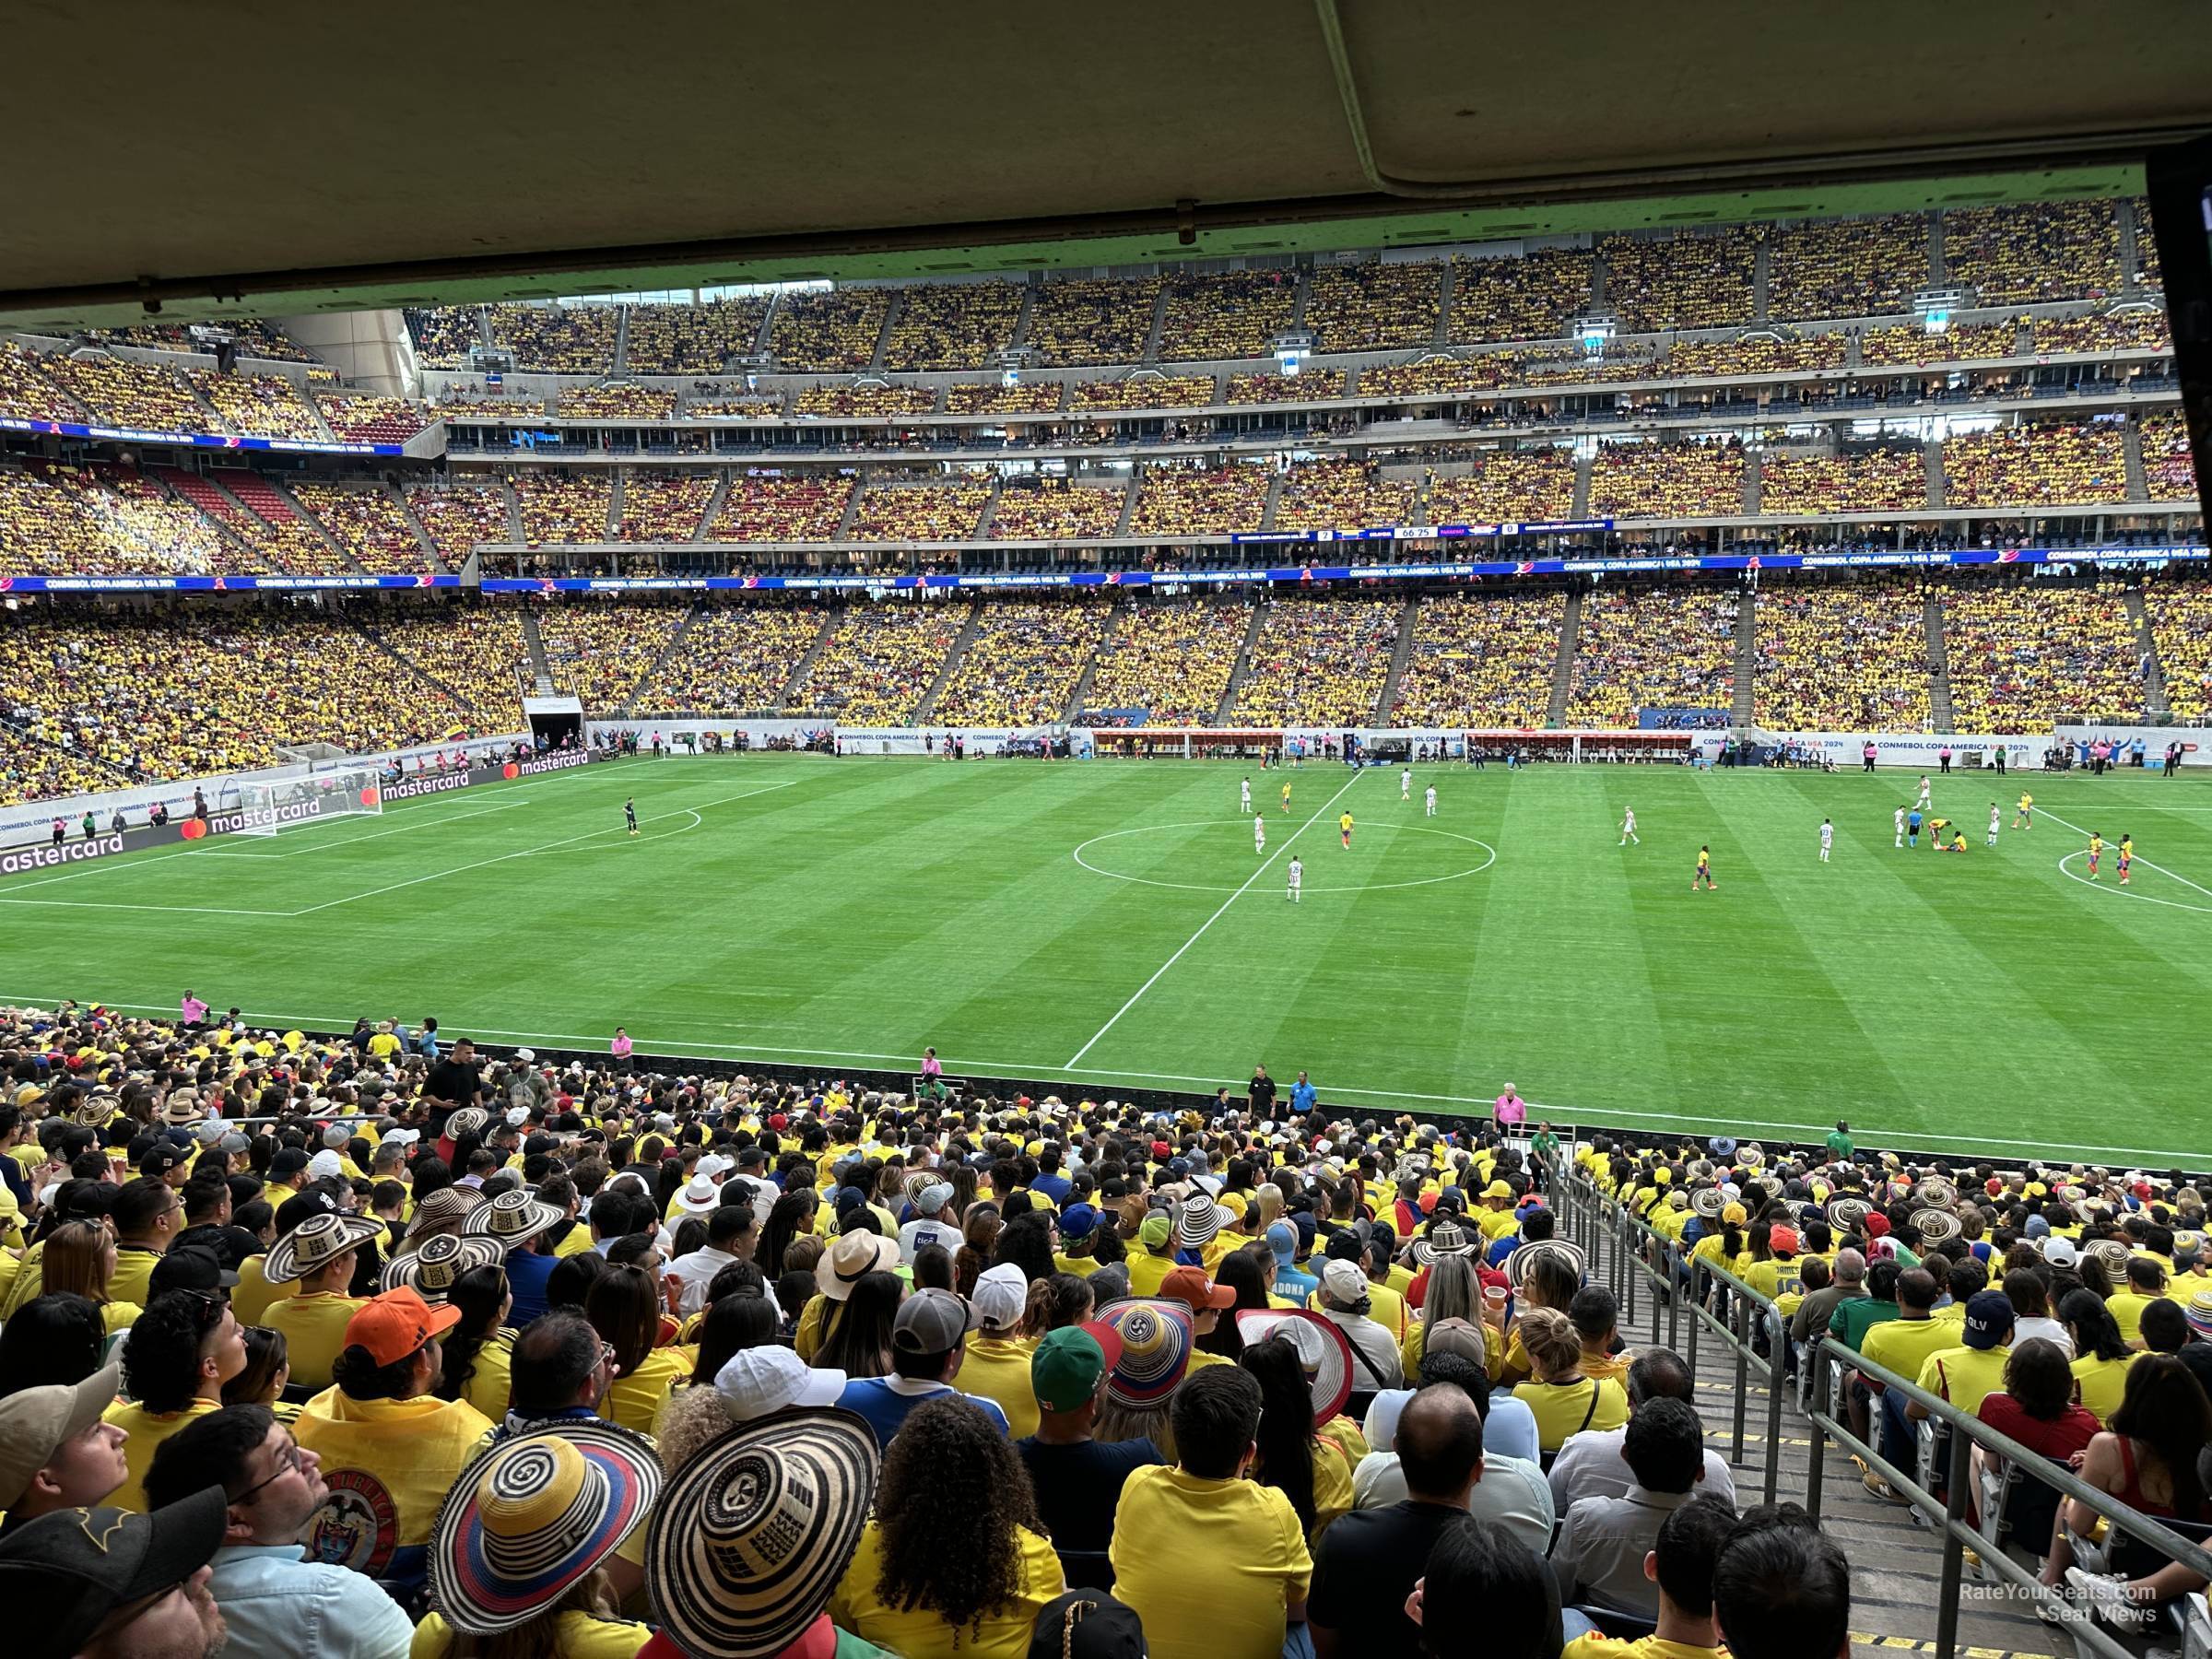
(271,806)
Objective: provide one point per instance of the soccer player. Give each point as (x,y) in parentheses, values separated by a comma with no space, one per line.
(1923,792)
(1957,840)
(1827,838)
(2127,855)
(1936,828)
(1627,827)
(2023,816)
(1259,832)
(1344,827)
(1993,816)
(629,815)
(1286,798)
(1898,817)
(1297,878)
(1406,783)
(1432,812)
(1912,828)
(1246,788)
(2096,851)
(1704,872)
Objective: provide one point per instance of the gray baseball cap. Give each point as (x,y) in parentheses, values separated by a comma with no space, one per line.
(930,1321)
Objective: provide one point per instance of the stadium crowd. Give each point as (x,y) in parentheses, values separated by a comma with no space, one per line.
(734,657)
(1229,314)
(1872,480)
(444,335)
(1172,659)
(933,512)
(457,516)
(260,405)
(2021,658)
(368,520)
(1091,320)
(555,339)
(1531,297)
(803,507)
(602,649)
(564,507)
(1841,659)
(865,400)
(1186,500)
(1654,647)
(1344,495)
(1481,662)
(1057,510)
(470,650)
(617,400)
(1307,386)
(1319,662)
(996,398)
(1375,304)
(1697,280)
(691,339)
(881,660)
(1505,486)
(2051,463)
(829,332)
(385,1347)
(1667,480)
(659,506)
(1021,668)
(2181,622)
(2020,253)
(124,391)
(952,324)
(1868,267)
(1146,390)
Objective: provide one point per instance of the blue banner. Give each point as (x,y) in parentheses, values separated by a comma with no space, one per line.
(212,440)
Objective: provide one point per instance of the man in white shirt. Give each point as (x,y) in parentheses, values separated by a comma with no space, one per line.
(1591,1463)
(1432,801)
(1899,818)
(934,1223)
(1405,785)
(1343,1304)
(1297,878)
(731,1236)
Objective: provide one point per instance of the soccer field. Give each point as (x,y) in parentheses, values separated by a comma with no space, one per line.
(1109,924)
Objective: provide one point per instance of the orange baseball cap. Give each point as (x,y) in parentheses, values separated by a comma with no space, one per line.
(1190,1285)
(395,1325)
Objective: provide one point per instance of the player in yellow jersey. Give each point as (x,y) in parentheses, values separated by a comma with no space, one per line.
(2127,856)
(2024,818)
(1936,829)
(1286,798)
(2096,851)
(1704,872)
(1344,827)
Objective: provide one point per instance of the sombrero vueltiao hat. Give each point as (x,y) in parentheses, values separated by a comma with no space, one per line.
(2199,1311)
(442,1258)
(2111,1252)
(1518,1264)
(1709,1202)
(1935,1226)
(314,1242)
(469,1119)
(1155,1350)
(1849,1214)
(445,1211)
(1935,1191)
(753,1533)
(1196,1222)
(1443,1239)
(534,1516)
(514,1218)
(1750,1155)
(1323,1348)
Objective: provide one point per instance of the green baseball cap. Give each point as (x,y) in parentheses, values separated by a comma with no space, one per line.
(1154,1233)
(1066,1369)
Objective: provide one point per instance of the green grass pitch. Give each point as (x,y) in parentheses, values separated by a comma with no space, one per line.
(1109,924)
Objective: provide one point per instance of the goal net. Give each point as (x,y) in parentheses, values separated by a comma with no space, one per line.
(266,808)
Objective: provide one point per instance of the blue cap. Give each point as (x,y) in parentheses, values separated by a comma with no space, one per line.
(1282,1237)
(1988,1319)
(1078,1221)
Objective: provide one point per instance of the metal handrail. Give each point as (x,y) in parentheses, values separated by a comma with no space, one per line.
(1589,1209)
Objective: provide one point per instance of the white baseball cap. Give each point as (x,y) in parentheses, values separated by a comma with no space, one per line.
(757,1380)
(1001,1296)
(714,1164)
(324,1165)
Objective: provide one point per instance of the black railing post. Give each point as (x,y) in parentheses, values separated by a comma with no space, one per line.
(1777,1352)
(1743,1368)
(1823,1406)
(1674,1293)
(1947,1605)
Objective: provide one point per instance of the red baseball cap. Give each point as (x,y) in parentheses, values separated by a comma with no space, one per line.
(395,1325)
(1190,1285)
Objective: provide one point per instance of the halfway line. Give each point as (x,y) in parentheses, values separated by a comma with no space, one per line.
(1216,916)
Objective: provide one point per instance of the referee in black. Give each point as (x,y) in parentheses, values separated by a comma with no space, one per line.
(629,815)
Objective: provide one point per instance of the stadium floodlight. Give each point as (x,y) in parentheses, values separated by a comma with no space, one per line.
(271,806)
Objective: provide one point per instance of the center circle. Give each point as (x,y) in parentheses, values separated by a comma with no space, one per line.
(1489,857)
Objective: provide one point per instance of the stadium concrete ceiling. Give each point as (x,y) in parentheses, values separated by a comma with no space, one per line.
(282,158)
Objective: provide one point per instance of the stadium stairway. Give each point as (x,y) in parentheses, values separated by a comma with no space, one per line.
(1931,460)
(1581,508)
(1939,665)
(1935,255)
(1896,1564)
(1762,266)
(621,361)
(789,697)
(2154,705)
(541,671)
(1136,481)
(1562,667)
(1444,312)
(613,504)
(1114,619)
(990,512)
(2131,234)
(431,559)
(1020,336)
(714,503)
(660,660)
(1159,320)
(927,706)
(1274,501)
(1400,654)
(891,321)
(1747,656)
(1243,671)
(2131,449)
(844,524)
(1751,476)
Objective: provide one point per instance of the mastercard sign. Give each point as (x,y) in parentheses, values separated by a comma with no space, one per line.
(510,770)
(192,830)
(369,796)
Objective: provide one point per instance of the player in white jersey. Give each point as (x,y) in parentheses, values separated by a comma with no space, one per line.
(1992,825)
(1245,790)
(1899,816)
(1406,783)
(1297,878)
(1627,828)
(1827,838)
(1259,832)
(1431,800)
(1923,792)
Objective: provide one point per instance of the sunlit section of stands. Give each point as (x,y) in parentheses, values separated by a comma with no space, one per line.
(1343,495)
(1505,486)
(458,515)
(1184,500)
(1667,480)
(123,392)
(734,658)
(2051,463)
(1652,648)
(473,651)
(273,528)
(260,405)
(1319,662)
(1841,659)
(1481,660)
(1022,664)
(600,650)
